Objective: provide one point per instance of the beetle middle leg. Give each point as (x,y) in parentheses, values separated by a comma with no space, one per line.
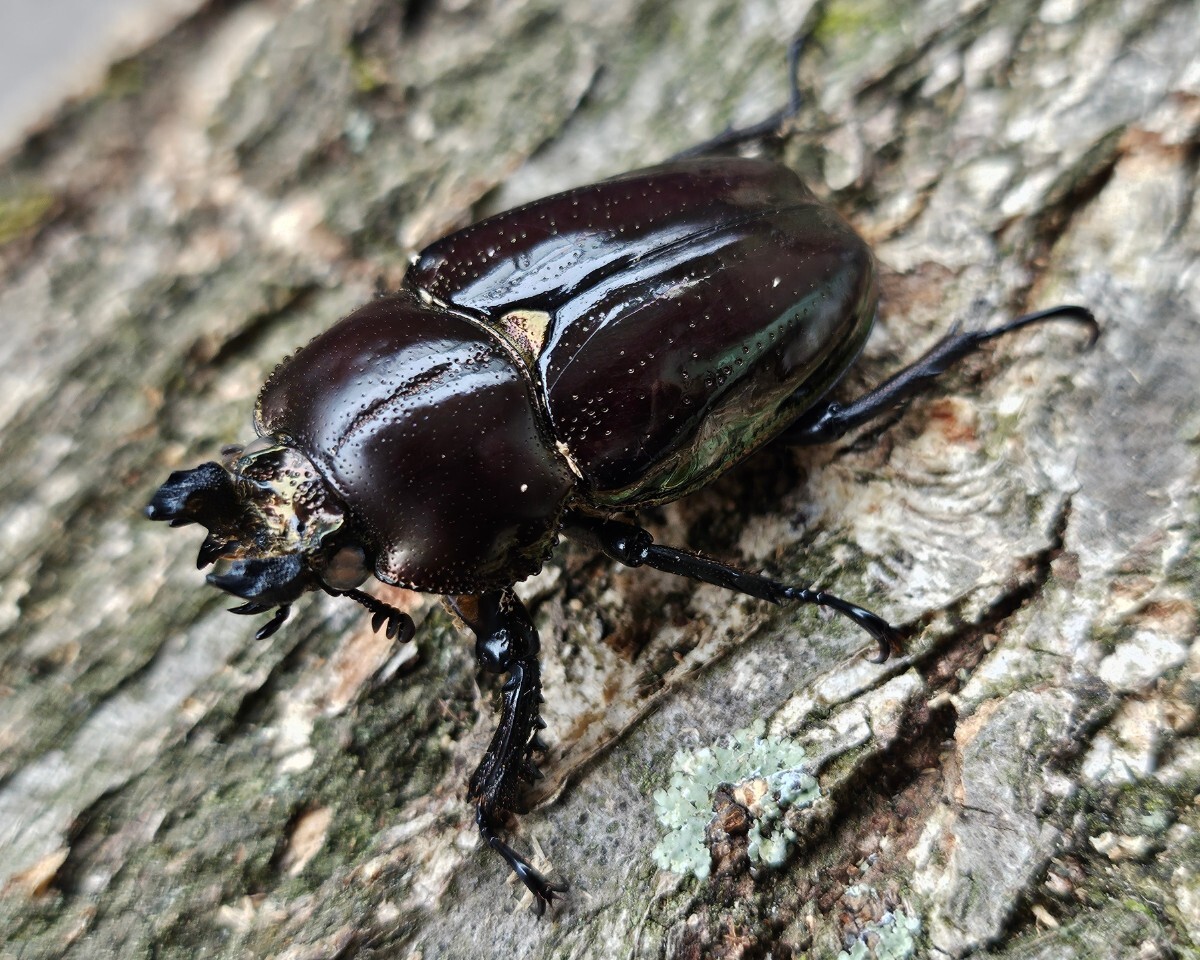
(830,420)
(635,547)
(506,641)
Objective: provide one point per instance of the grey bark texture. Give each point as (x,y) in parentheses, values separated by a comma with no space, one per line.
(1022,782)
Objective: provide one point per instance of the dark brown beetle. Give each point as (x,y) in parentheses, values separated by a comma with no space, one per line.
(604,349)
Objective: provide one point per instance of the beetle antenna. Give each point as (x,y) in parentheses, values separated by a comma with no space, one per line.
(400,625)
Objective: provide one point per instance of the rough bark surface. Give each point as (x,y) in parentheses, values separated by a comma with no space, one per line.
(1023,782)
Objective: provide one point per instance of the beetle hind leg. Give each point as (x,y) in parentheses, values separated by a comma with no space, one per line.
(770,126)
(830,420)
(634,547)
(507,642)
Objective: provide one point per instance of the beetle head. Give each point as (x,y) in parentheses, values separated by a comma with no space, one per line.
(275,530)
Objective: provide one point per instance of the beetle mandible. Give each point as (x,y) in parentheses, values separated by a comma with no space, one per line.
(604,349)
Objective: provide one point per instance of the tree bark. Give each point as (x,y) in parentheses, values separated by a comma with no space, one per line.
(1021,782)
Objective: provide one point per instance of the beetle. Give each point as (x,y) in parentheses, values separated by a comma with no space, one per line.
(537,375)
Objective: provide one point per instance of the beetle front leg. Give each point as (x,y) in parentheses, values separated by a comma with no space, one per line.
(506,641)
(831,420)
(635,547)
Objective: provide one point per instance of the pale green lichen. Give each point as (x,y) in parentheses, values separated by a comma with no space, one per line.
(23,212)
(892,937)
(685,807)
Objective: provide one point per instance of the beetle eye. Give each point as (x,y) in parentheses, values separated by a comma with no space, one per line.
(257,445)
(346,569)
